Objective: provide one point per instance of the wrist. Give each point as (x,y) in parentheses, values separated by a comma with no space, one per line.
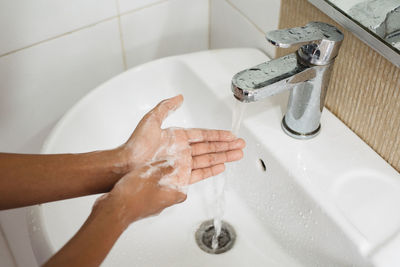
(120,160)
(111,208)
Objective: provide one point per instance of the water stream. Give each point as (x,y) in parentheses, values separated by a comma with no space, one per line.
(219,182)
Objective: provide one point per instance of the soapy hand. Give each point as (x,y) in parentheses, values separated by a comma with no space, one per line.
(140,194)
(156,166)
(163,162)
(195,154)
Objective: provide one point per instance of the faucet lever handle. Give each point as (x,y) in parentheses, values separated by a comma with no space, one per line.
(320,42)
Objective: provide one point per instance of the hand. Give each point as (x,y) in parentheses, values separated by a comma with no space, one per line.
(199,153)
(142,193)
(137,195)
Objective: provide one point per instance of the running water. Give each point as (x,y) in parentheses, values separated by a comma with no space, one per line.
(219,182)
(237,115)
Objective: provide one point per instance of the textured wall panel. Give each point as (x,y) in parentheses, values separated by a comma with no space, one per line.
(364,91)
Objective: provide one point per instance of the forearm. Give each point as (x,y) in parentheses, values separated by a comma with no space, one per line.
(32,179)
(95,239)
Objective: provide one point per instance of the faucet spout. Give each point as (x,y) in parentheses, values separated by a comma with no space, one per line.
(271,78)
(307,83)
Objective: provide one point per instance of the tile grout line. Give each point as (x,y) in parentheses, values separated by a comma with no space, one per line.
(245,16)
(58,36)
(143,7)
(121,37)
(80,28)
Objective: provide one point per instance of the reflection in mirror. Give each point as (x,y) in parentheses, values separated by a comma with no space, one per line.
(382,17)
(375,22)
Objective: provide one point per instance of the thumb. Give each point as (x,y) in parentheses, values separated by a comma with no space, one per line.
(163,109)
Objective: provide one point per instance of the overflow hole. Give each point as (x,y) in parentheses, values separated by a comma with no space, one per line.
(263,167)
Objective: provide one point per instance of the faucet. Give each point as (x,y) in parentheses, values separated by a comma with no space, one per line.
(305,73)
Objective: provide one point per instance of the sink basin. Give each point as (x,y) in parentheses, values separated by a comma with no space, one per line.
(328,201)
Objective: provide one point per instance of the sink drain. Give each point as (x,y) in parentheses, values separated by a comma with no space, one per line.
(205,233)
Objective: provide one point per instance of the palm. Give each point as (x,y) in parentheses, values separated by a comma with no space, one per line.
(197,153)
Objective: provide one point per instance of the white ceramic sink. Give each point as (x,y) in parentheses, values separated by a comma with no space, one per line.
(328,201)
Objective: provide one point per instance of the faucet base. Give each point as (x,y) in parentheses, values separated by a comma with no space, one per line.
(298,135)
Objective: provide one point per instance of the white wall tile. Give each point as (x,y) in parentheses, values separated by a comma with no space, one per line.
(168,28)
(24,22)
(128,5)
(264,13)
(230,29)
(38,84)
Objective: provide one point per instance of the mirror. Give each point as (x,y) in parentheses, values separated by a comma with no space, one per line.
(376,22)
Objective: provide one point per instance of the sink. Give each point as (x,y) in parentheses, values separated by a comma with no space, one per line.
(327,201)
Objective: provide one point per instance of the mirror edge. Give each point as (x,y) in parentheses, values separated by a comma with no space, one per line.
(372,41)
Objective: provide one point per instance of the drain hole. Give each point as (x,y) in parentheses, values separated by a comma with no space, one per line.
(223,239)
(264,168)
(206,232)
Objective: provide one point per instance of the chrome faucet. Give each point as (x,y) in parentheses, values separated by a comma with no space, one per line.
(306,72)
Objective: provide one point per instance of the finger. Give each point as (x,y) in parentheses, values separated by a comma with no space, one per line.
(213,147)
(201,174)
(162,110)
(207,160)
(204,135)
